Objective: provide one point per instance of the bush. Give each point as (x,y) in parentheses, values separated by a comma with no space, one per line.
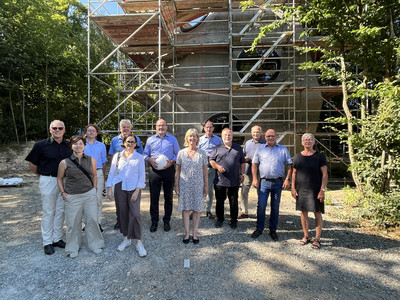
(383,210)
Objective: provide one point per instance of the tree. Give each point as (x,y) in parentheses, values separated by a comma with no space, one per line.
(43,67)
(358,35)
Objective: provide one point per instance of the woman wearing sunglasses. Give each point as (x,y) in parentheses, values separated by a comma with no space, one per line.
(127,175)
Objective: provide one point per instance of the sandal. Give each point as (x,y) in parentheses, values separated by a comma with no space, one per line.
(316,244)
(305,240)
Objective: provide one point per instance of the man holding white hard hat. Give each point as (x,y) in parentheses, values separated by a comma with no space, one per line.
(162,171)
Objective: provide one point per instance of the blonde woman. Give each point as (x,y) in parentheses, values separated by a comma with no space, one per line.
(191,182)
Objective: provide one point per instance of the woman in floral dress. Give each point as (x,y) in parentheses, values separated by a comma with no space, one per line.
(191,182)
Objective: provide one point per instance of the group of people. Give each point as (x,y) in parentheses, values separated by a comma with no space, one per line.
(72,178)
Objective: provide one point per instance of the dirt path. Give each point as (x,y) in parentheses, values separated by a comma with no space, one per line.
(227,264)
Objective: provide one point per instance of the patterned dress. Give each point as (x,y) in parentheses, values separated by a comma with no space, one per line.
(191,181)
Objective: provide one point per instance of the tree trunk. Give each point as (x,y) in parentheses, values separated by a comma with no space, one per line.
(23,109)
(12,109)
(349,117)
(46,99)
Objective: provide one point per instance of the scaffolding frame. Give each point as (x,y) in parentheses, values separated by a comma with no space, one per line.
(156,80)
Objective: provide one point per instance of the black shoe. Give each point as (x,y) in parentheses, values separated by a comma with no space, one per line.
(153,227)
(218,224)
(256,233)
(101,229)
(49,249)
(83,229)
(186,241)
(60,244)
(273,235)
(116,226)
(233,224)
(167,227)
(210,215)
(196,241)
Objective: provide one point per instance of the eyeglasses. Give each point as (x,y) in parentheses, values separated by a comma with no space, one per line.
(130,142)
(270,136)
(57,128)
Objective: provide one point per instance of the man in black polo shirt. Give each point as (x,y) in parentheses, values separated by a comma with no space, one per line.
(43,161)
(228,160)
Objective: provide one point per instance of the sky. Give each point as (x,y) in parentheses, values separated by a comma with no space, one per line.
(107,9)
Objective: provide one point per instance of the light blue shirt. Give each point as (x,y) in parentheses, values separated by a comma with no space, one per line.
(208,144)
(272,161)
(249,149)
(129,170)
(155,146)
(98,152)
(117,141)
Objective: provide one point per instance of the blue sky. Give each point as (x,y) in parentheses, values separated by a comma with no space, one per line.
(112,7)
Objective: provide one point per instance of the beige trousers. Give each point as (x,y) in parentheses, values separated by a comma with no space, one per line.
(75,207)
(52,210)
(100,187)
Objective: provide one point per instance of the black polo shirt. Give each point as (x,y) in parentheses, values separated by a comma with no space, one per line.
(47,154)
(230,159)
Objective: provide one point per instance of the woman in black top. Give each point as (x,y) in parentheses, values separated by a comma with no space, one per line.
(309,180)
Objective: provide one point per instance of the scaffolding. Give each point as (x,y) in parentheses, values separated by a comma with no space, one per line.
(188,61)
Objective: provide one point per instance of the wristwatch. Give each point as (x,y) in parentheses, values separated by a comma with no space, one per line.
(323,190)
(242,175)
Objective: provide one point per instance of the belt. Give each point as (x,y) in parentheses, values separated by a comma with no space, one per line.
(271,179)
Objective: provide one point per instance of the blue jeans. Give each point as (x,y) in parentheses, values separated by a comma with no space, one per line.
(267,187)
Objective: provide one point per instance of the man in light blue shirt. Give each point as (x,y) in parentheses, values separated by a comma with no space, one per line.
(208,142)
(249,149)
(97,150)
(161,143)
(270,160)
(125,126)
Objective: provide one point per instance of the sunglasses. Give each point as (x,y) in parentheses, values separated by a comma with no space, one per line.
(57,128)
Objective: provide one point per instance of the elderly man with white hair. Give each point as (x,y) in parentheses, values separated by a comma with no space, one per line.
(44,159)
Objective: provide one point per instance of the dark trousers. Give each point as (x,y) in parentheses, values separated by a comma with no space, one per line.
(167,179)
(129,213)
(220,196)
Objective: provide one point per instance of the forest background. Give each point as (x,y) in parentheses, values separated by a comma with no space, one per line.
(43,76)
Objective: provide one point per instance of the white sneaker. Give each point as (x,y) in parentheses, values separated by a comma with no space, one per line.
(140,249)
(125,243)
(73,255)
(97,251)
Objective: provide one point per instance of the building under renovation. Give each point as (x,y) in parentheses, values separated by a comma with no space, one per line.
(188,61)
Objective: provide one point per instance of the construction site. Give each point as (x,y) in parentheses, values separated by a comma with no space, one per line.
(188,61)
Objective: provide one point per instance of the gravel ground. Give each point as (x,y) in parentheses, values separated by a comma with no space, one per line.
(226,264)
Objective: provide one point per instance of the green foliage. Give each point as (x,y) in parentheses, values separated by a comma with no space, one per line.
(43,53)
(361,53)
(351,196)
(378,155)
(383,210)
